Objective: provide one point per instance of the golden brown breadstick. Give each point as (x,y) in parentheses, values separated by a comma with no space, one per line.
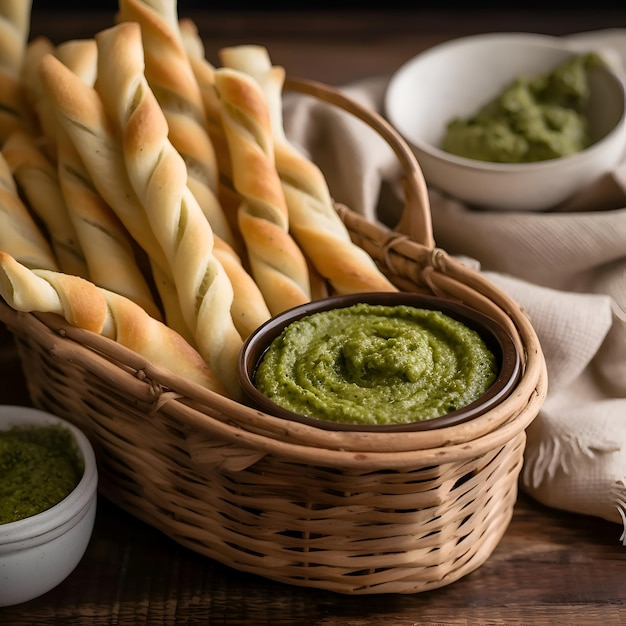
(158,175)
(14,31)
(249,309)
(38,181)
(87,306)
(80,56)
(106,244)
(313,220)
(277,263)
(43,118)
(20,235)
(81,113)
(204,73)
(172,81)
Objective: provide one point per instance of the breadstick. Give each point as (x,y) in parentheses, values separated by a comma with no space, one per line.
(80,112)
(20,235)
(173,83)
(43,118)
(205,77)
(204,73)
(249,309)
(313,220)
(107,247)
(37,178)
(84,305)
(106,244)
(14,31)
(277,263)
(159,177)
(80,56)
(77,55)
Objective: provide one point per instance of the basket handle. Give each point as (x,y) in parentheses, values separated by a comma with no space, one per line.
(415,220)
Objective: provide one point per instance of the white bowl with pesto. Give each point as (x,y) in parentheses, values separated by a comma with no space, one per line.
(40,551)
(456,78)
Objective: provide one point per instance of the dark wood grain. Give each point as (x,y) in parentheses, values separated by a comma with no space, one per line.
(550,567)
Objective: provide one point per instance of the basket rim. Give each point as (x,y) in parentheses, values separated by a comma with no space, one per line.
(189,414)
(193,405)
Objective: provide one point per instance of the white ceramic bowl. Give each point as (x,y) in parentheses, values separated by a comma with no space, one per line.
(37,553)
(456,78)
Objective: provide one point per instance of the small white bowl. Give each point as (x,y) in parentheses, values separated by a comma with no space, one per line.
(37,553)
(456,78)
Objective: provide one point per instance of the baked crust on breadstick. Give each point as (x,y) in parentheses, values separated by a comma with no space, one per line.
(80,112)
(204,73)
(81,56)
(38,181)
(93,308)
(78,55)
(249,309)
(277,263)
(171,78)
(159,176)
(106,244)
(20,235)
(313,219)
(43,118)
(14,31)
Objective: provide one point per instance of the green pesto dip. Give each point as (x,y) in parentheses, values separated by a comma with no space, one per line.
(39,466)
(533,119)
(376,364)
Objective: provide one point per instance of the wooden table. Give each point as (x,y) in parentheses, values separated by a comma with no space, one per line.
(550,567)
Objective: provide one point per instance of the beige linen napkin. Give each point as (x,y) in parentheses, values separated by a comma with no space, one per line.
(565,267)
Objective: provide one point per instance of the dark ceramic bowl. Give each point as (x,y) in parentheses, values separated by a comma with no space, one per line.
(497,339)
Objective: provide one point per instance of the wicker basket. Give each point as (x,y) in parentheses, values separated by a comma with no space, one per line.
(360,513)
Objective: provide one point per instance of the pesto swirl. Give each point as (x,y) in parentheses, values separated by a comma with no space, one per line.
(376,364)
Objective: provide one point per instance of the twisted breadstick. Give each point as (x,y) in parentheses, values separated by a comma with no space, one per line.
(38,180)
(14,31)
(313,220)
(169,74)
(159,177)
(81,56)
(249,309)
(276,261)
(19,234)
(81,114)
(107,247)
(92,308)
(78,55)
(204,73)
(43,117)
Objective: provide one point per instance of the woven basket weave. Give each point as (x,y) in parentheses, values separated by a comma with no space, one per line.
(360,513)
